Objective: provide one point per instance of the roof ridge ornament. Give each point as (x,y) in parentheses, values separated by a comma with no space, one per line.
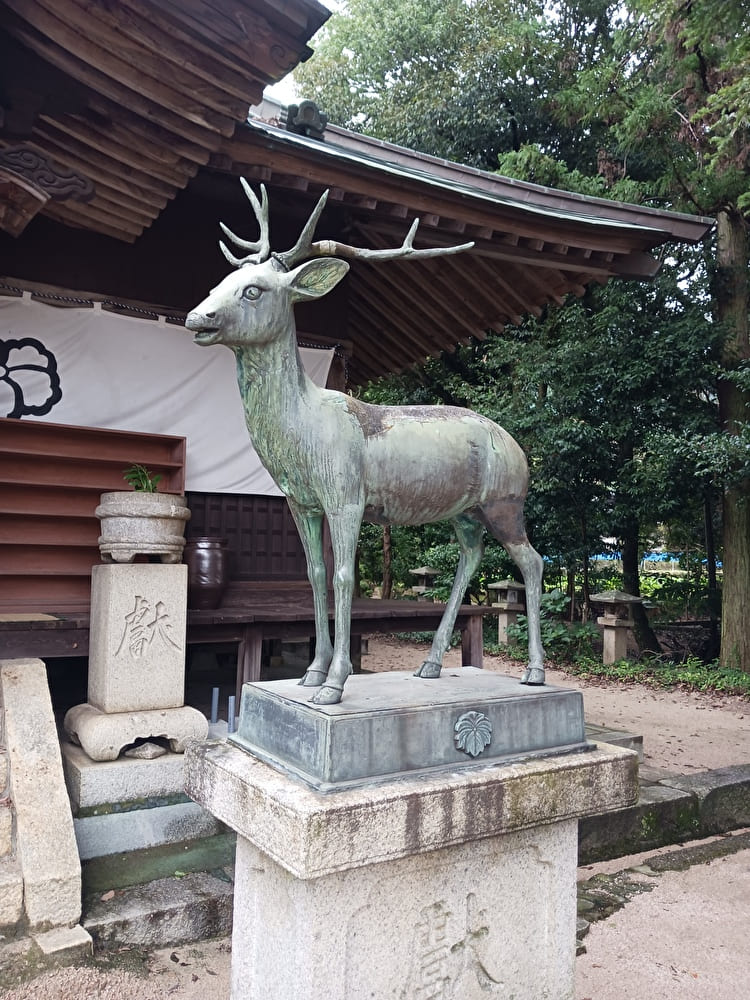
(304,118)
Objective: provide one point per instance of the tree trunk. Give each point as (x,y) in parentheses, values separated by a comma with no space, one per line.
(586,602)
(714,600)
(731,298)
(387,564)
(644,634)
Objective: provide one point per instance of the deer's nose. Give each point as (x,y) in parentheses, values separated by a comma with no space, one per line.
(198,320)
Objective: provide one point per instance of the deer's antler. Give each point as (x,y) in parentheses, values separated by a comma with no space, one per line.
(261,248)
(305,249)
(330,248)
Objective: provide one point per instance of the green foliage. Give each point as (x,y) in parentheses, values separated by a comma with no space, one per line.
(614,397)
(462,80)
(141,479)
(693,674)
(496,565)
(677,598)
(563,641)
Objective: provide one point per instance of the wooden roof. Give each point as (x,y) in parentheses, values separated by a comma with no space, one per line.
(115,116)
(110,108)
(533,245)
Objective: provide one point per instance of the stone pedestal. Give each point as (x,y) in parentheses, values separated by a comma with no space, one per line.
(136,684)
(506,615)
(393,723)
(457,884)
(507,597)
(614,638)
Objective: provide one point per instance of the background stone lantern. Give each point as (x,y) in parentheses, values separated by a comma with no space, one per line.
(508,596)
(615,622)
(425,580)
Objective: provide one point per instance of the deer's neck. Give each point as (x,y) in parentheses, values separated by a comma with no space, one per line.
(277,397)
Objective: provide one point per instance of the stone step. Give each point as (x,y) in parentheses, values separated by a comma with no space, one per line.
(160,896)
(671,810)
(618,738)
(164,912)
(188,887)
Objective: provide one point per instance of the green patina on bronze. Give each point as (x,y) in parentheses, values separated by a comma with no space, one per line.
(347,461)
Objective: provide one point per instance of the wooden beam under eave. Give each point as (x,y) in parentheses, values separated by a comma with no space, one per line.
(368,327)
(420,278)
(89,216)
(394,309)
(100,168)
(387,284)
(295,182)
(492,306)
(159,53)
(426,201)
(247,39)
(95,66)
(393,321)
(529,258)
(637,265)
(546,285)
(501,250)
(187,49)
(512,289)
(111,198)
(367,359)
(154,133)
(122,146)
(156,71)
(105,85)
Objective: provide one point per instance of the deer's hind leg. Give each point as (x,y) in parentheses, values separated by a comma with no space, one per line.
(504,520)
(310,527)
(469,534)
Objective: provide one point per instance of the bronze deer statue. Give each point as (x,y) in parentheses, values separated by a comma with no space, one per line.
(348,461)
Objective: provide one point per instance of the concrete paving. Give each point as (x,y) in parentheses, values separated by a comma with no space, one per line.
(673,927)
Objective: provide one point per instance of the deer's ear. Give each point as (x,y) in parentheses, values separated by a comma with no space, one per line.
(316,277)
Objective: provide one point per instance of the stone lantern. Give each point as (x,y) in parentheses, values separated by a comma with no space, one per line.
(615,622)
(425,578)
(508,596)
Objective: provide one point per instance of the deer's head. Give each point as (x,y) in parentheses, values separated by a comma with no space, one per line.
(253,305)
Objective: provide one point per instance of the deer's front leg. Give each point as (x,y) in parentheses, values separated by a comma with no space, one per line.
(310,527)
(344,526)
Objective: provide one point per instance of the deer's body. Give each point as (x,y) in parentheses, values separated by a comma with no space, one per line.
(348,461)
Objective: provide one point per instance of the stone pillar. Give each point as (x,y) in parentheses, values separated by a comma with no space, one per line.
(614,638)
(46,859)
(136,686)
(458,885)
(507,596)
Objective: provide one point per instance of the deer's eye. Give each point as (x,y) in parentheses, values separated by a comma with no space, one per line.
(251,292)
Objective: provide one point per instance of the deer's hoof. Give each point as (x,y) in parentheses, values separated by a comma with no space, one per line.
(328,695)
(429,669)
(313,678)
(533,676)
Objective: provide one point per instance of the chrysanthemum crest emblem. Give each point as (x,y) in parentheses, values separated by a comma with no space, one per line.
(473,732)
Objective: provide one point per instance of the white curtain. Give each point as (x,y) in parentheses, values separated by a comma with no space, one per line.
(132,374)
